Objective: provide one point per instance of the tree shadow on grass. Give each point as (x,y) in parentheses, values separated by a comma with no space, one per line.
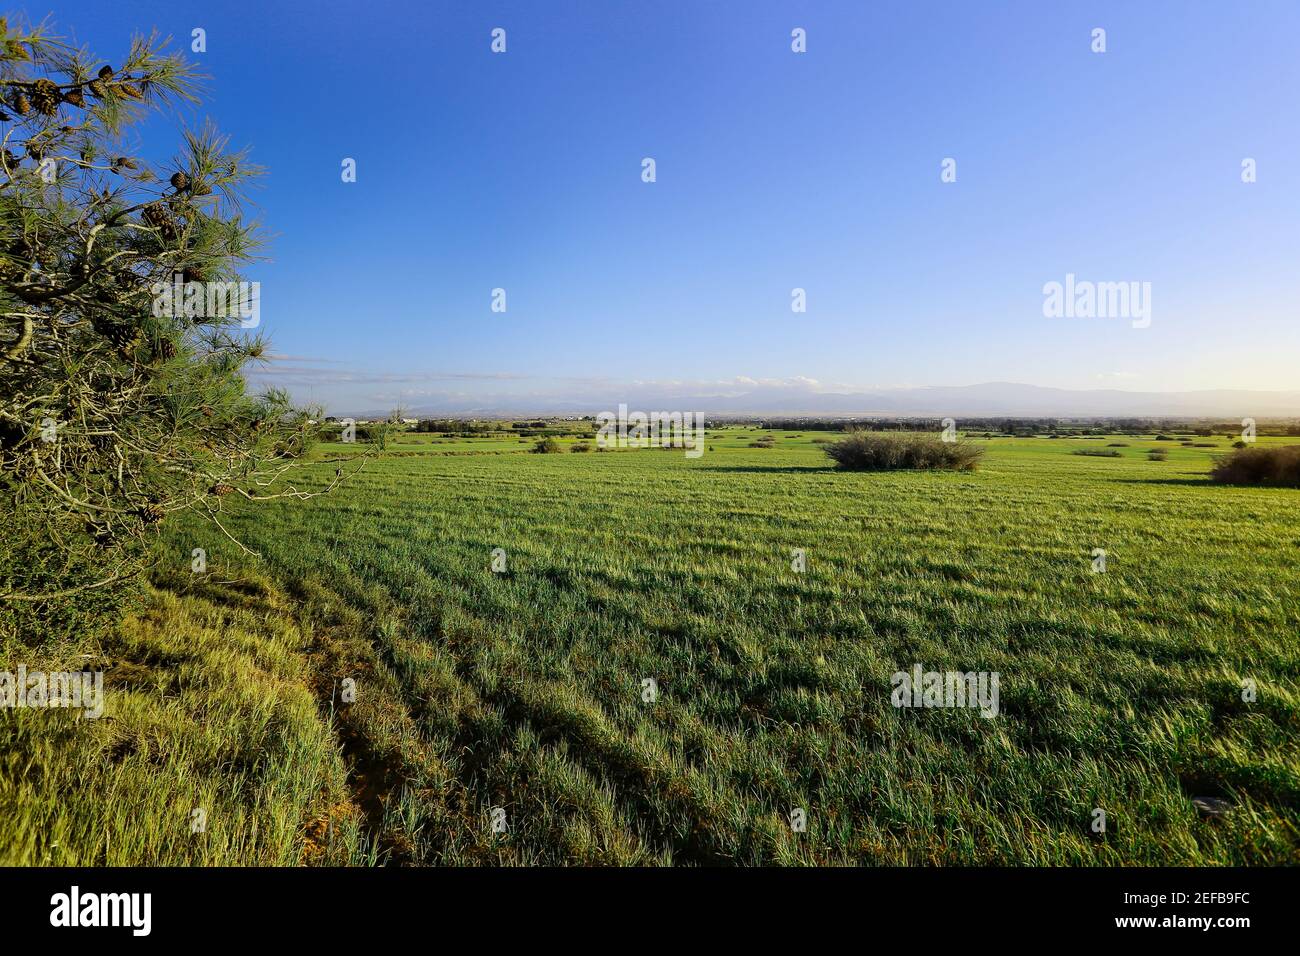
(769,469)
(1199,482)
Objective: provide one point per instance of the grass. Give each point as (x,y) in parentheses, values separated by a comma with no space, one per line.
(208,710)
(523,690)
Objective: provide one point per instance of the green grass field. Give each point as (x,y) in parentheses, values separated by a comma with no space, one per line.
(523,691)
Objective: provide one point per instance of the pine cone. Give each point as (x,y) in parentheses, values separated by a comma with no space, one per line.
(221,489)
(131,91)
(97,89)
(179,180)
(45,97)
(150,513)
(22,105)
(105,72)
(193,274)
(159,218)
(122,337)
(166,350)
(74,97)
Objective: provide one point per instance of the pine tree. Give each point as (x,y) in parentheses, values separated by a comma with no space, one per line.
(116,413)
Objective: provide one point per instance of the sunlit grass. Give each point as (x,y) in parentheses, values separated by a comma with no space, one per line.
(523,691)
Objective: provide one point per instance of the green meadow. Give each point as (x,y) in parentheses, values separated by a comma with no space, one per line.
(350,682)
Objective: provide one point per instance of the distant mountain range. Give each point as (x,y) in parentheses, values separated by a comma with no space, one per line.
(990,399)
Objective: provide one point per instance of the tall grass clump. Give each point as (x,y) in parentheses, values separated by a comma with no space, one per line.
(890,451)
(1278,466)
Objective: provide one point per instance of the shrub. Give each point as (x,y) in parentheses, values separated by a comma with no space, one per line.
(888,451)
(1117,444)
(1276,466)
(761,443)
(580,447)
(1239,444)
(547,446)
(1158,454)
(1163,438)
(1096,452)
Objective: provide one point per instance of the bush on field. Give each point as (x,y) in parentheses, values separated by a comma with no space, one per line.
(1096,452)
(547,446)
(1158,454)
(580,447)
(888,451)
(1278,466)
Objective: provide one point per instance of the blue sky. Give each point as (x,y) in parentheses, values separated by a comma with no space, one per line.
(775,170)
